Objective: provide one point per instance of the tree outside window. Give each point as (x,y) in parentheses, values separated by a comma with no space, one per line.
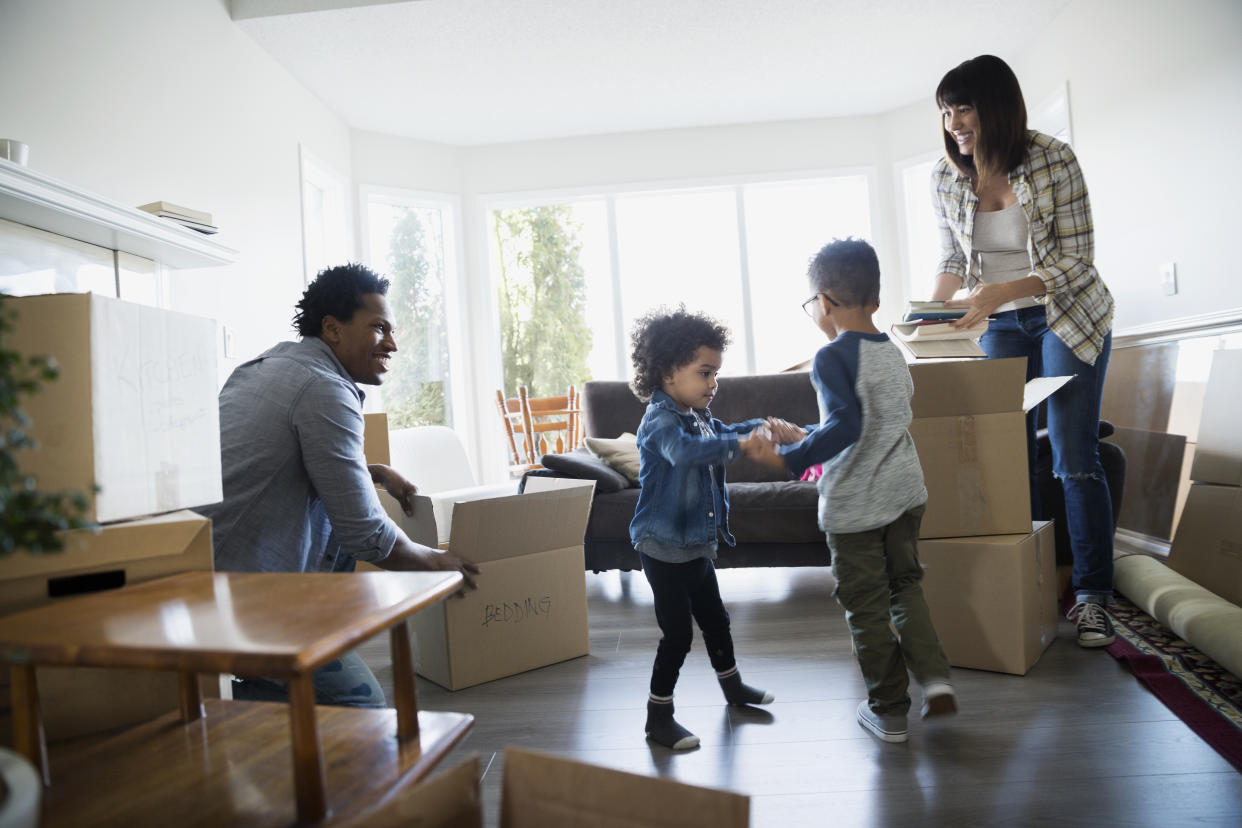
(412,239)
(542,298)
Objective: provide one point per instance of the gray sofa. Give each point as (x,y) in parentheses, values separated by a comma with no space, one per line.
(774,519)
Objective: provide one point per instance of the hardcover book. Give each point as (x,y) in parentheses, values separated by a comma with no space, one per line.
(167,210)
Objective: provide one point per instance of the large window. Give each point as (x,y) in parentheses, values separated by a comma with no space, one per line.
(410,239)
(572,275)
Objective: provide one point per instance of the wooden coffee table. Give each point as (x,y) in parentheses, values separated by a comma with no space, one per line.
(219,762)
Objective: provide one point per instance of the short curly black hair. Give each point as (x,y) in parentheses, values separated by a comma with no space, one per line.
(664,340)
(336,291)
(849,270)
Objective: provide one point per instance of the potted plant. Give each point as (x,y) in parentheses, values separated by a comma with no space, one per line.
(29,519)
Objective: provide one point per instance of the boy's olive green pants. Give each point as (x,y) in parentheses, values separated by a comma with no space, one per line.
(879,583)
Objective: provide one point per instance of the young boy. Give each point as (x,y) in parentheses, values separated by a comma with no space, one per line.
(683,505)
(871,494)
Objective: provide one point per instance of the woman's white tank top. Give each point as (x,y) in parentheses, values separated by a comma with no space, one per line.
(1000,249)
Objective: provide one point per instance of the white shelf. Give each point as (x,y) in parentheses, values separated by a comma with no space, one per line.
(33,199)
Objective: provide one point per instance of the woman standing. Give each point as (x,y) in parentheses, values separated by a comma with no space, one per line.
(1015,230)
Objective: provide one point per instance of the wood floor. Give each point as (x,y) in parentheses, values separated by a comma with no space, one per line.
(1076,741)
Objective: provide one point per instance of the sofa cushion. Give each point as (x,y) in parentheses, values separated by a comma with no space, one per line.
(779,512)
(581,464)
(785,512)
(621,453)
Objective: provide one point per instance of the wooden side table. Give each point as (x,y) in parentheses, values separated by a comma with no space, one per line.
(277,625)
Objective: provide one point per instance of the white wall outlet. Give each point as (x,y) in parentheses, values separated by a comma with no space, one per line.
(1168,278)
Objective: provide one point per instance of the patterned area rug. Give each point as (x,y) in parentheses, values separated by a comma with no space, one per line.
(1198,690)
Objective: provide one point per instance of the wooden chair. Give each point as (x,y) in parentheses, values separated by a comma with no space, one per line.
(535,426)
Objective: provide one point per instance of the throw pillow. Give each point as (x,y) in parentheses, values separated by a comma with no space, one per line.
(621,453)
(581,464)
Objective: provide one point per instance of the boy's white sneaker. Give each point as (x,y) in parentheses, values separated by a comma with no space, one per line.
(939,699)
(888,728)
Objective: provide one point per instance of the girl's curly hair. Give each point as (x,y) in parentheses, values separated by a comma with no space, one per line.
(664,340)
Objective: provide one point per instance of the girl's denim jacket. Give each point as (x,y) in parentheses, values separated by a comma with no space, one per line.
(677,503)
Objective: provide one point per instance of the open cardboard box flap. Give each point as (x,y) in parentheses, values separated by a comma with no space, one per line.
(1218,448)
(506,527)
(554,792)
(989,386)
(501,527)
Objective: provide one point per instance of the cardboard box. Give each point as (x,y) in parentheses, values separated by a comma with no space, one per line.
(1218,449)
(530,608)
(450,799)
(134,408)
(969,429)
(1207,547)
(82,700)
(993,600)
(541,791)
(375,439)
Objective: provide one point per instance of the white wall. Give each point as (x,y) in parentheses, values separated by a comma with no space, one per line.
(1156,100)
(144,100)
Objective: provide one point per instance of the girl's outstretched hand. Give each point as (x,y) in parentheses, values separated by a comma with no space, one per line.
(784,432)
(758,446)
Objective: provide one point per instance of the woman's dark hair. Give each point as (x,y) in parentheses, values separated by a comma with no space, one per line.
(336,291)
(987,84)
(849,270)
(665,340)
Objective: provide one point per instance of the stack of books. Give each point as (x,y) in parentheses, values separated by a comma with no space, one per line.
(933,338)
(930,309)
(194,219)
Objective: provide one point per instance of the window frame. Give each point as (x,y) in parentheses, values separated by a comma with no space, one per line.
(464,419)
(315,172)
(489,203)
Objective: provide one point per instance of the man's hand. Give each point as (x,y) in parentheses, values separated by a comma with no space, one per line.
(783,432)
(407,556)
(395,484)
(443,560)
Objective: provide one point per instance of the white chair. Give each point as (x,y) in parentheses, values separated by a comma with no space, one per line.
(434,460)
(21,790)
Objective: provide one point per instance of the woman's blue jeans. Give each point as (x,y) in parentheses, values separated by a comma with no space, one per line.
(1073,429)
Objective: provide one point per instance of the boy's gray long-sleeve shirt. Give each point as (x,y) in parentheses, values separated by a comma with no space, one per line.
(871,469)
(298,496)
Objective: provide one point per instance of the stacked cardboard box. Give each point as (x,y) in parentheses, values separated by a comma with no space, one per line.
(134,409)
(1207,546)
(134,413)
(990,569)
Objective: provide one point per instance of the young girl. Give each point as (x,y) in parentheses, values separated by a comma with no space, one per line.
(683,505)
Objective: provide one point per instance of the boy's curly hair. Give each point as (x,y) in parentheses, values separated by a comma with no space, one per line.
(336,291)
(664,340)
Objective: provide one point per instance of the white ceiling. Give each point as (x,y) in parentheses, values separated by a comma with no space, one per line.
(491,71)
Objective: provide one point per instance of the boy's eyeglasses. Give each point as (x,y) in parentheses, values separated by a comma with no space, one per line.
(806,306)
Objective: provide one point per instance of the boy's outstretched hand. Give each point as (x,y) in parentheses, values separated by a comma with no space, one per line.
(758,446)
(783,432)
